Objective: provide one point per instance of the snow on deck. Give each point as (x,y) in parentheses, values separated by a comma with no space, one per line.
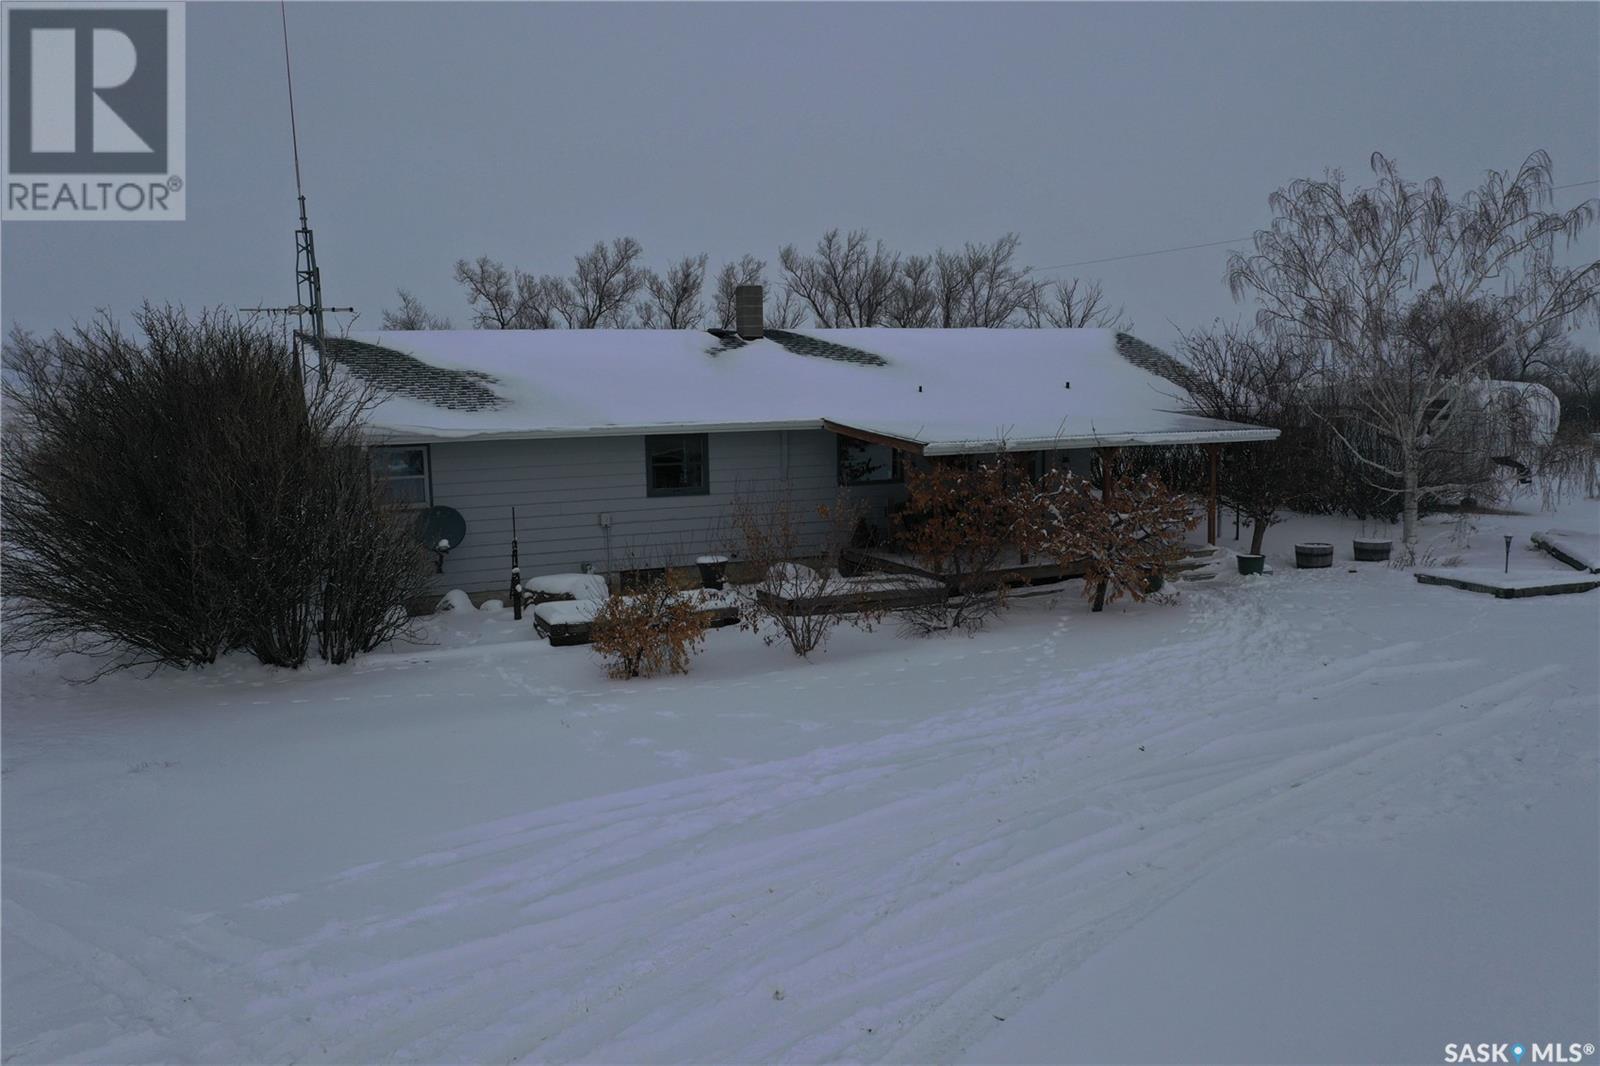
(1574,547)
(1321,816)
(947,389)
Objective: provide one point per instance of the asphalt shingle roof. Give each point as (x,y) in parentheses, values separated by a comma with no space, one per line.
(396,372)
(801,344)
(1149,357)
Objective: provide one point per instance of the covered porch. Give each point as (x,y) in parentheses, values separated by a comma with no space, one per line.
(1097,454)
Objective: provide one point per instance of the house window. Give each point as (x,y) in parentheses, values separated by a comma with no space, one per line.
(1041,463)
(402,473)
(676,465)
(863,463)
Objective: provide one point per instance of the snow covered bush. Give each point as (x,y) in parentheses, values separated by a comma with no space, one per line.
(794,601)
(964,521)
(656,630)
(176,496)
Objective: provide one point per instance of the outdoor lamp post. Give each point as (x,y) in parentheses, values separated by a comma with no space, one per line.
(1508,553)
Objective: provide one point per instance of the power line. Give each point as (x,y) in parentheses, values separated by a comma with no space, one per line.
(1141,255)
(1218,244)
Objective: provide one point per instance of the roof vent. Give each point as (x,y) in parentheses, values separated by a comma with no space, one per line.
(747,311)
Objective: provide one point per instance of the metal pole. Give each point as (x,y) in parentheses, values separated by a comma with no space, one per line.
(1108,481)
(1215,450)
(1508,553)
(516,571)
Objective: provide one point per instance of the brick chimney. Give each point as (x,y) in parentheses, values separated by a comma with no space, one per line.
(747,312)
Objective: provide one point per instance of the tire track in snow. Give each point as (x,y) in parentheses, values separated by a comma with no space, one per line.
(495,958)
(909,886)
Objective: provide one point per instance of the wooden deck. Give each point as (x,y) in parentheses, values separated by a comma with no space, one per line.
(1013,571)
(890,593)
(1511,588)
(1570,548)
(566,623)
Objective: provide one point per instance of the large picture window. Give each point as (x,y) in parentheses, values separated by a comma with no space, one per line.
(402,473)
(676,465)
(863,463)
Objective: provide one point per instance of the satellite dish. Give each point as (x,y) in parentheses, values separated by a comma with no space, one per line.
(441,530)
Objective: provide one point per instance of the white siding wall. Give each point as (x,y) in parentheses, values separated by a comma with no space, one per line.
(561,487)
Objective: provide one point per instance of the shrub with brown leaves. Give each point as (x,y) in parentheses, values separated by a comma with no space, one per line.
(964,522)
(1125,543)
(656,630)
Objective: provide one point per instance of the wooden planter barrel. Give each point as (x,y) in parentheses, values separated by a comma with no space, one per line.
(1313,555)
(1372,550)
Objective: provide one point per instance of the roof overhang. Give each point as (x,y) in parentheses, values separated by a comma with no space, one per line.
(904,444)
(403,434)
(936,444)
(1113,440)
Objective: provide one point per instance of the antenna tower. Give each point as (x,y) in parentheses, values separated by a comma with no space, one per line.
(307,277)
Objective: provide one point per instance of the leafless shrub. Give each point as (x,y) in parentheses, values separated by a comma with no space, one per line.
(798,596)
(170,499)
(369,562)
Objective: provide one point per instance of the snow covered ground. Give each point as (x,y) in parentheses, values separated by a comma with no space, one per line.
(1311,816)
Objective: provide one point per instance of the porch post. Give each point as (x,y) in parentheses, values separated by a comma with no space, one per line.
(1108,484)
(1214,451)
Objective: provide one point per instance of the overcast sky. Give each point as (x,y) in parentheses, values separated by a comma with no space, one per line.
(432,131)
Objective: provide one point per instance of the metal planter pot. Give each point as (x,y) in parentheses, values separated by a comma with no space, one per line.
(1252,564)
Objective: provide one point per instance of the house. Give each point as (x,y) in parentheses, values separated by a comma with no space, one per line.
(623,449)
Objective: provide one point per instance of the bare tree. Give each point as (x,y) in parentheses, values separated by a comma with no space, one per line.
(507,299)
(1241,376)
(1389,286)
(981,285)
(1576,379)
(784,311)
(1072,303)
(914,300)
(673,301)
(412,315)
(603,285)
(846,282)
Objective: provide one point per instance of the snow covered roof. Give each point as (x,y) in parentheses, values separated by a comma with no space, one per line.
(936,391)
